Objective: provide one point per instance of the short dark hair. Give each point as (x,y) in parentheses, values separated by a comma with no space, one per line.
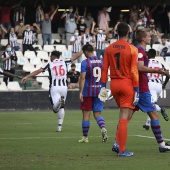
(56,54)
(151,53)
(88,48)
(73,65)
(122,29)
(163,37)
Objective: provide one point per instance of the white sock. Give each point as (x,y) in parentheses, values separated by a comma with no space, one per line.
(162,144)
(157,108)
(148,121)
(61,114)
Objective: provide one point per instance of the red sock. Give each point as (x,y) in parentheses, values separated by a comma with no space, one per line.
(121,134)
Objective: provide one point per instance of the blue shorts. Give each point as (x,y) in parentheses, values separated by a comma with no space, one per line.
(145,104)
(92,104)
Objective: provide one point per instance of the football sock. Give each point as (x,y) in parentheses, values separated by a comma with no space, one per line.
(148,121)
(61,114)
(157,108)
(85,127)
(121,135)
(100,121)
(156,130)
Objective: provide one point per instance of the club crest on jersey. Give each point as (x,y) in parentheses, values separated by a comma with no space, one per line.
(140,55)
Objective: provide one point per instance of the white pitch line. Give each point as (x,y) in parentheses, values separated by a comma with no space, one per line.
(149,137)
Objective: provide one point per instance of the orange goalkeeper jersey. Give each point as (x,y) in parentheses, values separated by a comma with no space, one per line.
(121,57)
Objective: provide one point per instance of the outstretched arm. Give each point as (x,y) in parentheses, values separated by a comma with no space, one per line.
(52,15)
(75,57)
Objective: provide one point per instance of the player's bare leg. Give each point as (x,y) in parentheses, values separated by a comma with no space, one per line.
(101,123)
(163,147)
(85,126)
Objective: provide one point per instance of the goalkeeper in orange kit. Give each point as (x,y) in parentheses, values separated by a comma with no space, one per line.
(121,57)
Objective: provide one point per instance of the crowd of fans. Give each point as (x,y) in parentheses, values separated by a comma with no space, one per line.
(79,30)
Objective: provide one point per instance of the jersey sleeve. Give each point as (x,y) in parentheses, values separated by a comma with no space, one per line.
(140,55)
(45,67)
(3,55)
(105,67)
(134,66)
(83,66)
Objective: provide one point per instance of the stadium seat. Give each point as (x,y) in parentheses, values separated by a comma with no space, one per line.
(19,41)
(61,48)
(3,87)
(155,46)
(113,40)
(29,54)
(42,55)
(4,42)
(14,85)
(83,57)
(70,48)
(22,60)
(19,53)
(56,36)
(45,85)
(167,59)
(35,61)
(66,54)
(39,46)
(1,78)
(27,67)
(48,48)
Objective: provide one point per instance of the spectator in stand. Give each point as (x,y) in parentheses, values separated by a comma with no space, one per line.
(88,20)
(76,41)
(70,27)
(28,39)
(149,12)
(81,26)
(103,19)
(55,20)
(154,33)
(18,14)
(101,40)
(5,12)
(36,30)
(143,15)
(9,58)
(134,14)
(73,77)
(67,15)
(164,47)
(19,29)
(87,38)
(39,7)
(46,26)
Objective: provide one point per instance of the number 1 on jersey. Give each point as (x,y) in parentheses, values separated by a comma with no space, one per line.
(117,55)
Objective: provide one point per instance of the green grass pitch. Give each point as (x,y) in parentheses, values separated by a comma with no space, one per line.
(28,141)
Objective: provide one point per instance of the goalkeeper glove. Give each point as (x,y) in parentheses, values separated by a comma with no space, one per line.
(136,96)
(103,94)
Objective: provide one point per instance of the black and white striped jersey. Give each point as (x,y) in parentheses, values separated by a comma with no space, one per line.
(87,39)
(57,71)
(12,39)
(28,37)
(19,14)
(77,45)
(10,63)
(100,44)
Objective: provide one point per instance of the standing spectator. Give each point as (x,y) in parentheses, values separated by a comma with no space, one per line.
(76,40)
(46,26)
(55,20)
(9,58)
(87,38)
(18,14)
(88,20)
(70,27)
(100,39)
(81,26)
(103,19)
(68,15)
(164,47)
(5,12)
(38,16)
(19,29)
(134,14)
(73,77)
(36,30)
(28,39)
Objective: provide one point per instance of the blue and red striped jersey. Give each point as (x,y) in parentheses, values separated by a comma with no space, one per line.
(92,66)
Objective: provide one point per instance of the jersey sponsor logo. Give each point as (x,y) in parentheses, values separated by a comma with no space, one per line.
(95,61)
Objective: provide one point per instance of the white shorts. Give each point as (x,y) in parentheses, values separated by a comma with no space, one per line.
(55,94)
(155,90)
